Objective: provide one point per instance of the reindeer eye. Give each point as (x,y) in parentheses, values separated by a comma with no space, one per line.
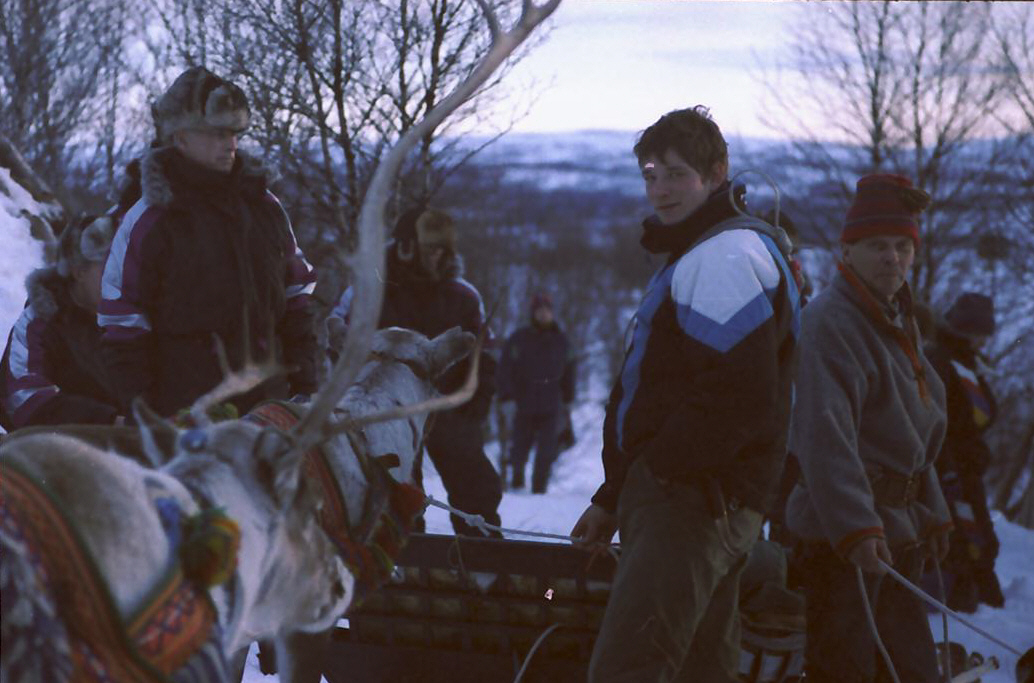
(193,440)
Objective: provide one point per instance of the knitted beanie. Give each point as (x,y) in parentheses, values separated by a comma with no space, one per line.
(84,241)
(972,315)
(541,300)
(884,205)
(198,99)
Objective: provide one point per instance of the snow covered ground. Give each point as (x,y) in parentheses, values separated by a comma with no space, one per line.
(579,471)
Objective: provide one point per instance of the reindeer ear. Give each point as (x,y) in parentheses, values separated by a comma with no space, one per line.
(279,464)
(157,437)
(447,348)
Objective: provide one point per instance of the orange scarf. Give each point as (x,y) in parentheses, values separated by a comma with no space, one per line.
(905,336)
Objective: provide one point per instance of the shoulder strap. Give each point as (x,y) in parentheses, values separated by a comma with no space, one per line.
(740,222)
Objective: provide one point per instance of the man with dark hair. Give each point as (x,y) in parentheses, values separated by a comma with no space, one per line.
(695,429)
(424,290)
(205,253)
(956,355)
(537,373)
(868,422)
(51,371)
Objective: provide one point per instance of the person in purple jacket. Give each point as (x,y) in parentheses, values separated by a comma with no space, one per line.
(50,373)
(205,254)
(537,373)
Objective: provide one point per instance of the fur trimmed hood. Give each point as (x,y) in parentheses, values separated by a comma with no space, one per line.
(148,177)
(47,291)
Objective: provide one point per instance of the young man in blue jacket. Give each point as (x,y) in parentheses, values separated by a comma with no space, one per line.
(696,426)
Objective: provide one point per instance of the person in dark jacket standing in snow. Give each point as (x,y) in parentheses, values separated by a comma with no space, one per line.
(695,431)
(51,371)
(205,253)
(868,423)
(424,290)
(537,372)
(970,574)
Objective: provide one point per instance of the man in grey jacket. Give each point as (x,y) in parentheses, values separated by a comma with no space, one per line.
(868,421)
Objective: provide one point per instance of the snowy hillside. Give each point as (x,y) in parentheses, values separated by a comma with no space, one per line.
(21,252)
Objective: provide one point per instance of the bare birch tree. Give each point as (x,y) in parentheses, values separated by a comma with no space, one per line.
(50,75)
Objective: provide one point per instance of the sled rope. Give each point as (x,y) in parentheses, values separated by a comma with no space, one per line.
(944,618)
(479,522)
(945,609)
(872,625)
(535,646)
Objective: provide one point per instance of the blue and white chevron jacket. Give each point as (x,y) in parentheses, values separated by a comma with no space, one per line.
(705,390)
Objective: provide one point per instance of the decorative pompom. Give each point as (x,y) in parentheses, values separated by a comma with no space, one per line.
(209,550)
(914,199)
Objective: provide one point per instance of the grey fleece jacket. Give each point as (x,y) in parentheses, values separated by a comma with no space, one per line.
(858,411)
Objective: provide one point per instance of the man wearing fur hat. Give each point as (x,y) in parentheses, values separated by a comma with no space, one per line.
(424,290)
(537,373)
(51,371)
(956,355)
(205,252)
(868,423)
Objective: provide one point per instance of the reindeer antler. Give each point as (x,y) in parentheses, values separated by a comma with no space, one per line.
(234,382)
(368,259)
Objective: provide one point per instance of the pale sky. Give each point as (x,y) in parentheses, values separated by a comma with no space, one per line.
(621,64)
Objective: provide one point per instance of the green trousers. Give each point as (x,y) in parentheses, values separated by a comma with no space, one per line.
(673,610)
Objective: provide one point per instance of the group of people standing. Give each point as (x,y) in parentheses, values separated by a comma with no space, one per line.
(724,374)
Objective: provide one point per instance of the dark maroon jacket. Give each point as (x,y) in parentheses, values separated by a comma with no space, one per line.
(204,255)
(51,371)
(415,301)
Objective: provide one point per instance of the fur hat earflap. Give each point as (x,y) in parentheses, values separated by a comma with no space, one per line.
(436,228)
(84,241)
(198,99)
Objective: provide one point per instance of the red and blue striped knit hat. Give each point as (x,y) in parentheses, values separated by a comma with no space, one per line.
(885,204)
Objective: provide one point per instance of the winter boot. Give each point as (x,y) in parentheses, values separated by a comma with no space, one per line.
(517,481)
(988,588)
(963,595)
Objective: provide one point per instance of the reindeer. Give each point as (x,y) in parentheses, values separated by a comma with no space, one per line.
(289,576)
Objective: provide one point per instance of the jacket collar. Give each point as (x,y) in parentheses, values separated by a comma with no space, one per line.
(164,172)
(675,239)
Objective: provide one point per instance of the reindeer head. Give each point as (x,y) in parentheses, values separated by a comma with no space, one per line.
(288,574)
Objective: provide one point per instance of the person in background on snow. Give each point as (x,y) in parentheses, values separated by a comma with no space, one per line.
(205,253)
(868,422)
(537,372)
(956,355)
(424,290)
(695,431)
(51,371)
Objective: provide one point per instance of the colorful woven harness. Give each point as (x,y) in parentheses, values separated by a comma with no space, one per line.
(368,546)
(173,637)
